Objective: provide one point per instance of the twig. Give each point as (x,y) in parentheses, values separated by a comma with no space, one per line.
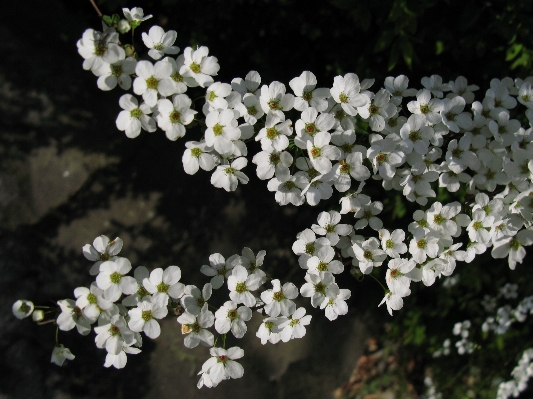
(96,8)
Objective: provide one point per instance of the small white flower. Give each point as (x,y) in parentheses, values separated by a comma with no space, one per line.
(194,300)
(196,328)
(229,176)
(22,308)
(240,283)
(118,73)
(99,48)
(221,366)
(278,300)
(101,251)
(306,94)
(160,42)
(335,302)
(346,92)
(134,117)
(219,268)
(113,280)
(164,284)
(230,317)
(316,287)
(275,100)
(60,354)
(153,80)
(143,318)
(72,316)
(172,117)
(269,330)
(295,326)
(199,66)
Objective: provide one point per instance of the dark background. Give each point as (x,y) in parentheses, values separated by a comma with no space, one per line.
(67,175)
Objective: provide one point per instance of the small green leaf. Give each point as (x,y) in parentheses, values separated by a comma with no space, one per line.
(439,47)
(108,20)
(513,51)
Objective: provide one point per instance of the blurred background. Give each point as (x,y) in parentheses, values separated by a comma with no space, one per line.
(68,175)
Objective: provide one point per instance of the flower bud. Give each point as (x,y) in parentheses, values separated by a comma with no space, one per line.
(130,50)
(123,26)
(38,315)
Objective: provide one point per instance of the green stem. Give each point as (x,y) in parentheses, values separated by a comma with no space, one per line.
(379,282)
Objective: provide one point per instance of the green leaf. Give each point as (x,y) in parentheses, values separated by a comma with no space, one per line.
(439,47)
(394,55)
(407,52)
(513,51)
(108,20)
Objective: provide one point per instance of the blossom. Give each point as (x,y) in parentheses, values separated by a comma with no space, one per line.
(22,308)
(269,330)
(306,94)
(393,301)
(60,354)
(229,176)
(423,245)
(279,299)
(240,283)
(323,262)
(153,80)
(346,92)
(172,117)
(101,251)
(221,366)
(99,48)
(113,280)
(196,328)
(199,66)
(426,106)
(378,110)
(317,286)
(230,317)
(392,243)
(118,73)
(249,84)
(274,99)
(91,301)
(114,335)
(136,15)
(396,278)
(274,136)
(513,247)
(143,318)
(321,153)
(164,284)
(369,254)
(160,42)
(295,326)
(221,130)
(397,87)
(72,316)
(134,117)
(335,302)
(219,268)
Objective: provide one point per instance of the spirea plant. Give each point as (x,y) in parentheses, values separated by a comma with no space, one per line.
(314,139)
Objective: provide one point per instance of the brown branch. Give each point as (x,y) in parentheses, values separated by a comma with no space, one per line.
(96,8)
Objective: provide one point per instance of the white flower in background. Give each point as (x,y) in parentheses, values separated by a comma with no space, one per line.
(295,326)
(346,92)
(164,284)
(134,117)
(197,155)
(219,268)
(99,48)
(118,73)
(435,86)
(194,300)
(153,80)
(144,318)
(172,117)
(160,42)
(397,87)
(249,84)
(113,280)
(101,251)
(221,366)
(196,328)
(230,317)
(460,87)
(72,316)
(525,95)
(136,14)
(60,354)
(22,308)
(119,361)
(367,216)
(278,300)
(229,176)
(250,108)
(240,283)
(306,94)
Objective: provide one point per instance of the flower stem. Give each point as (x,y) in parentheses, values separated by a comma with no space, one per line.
(96,8)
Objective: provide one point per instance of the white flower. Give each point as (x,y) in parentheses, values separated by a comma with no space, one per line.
(453,115)
(160,42)
(396,278)
(478,229)
(196,328)
(435,85)
(91,301)
(199,66)
(99,48)
(385,157)
(289,191)
(197,156)
(270,163)
(114,335)
(164,284)
(321,153)
(143,318)
(194,300)
(352,166)
(250,84)
(230,317)
(513,247)
(367,215)
(221,366)
(328,225)
(392,243)
(306,94)
(378,111)
(136,14)
(295,326)
(316,287)
(335,302)
(240,283)
(22,308)
(423,245)
(113,280)
(460,87)
(416,135)
(134,117)
(426,106)
(72,316)
(219,268)
(278,299)
(274,99)
(229,176)
(119,361)
(274,136)
(250,108)
(153,80)
(221,130)
(393,301)
(397,87)
(369,254)
(269,330)
(140,273)
(119,72)
(323,262)
(101,251)
(310,124)
(346,92)
(60,354)
(172,117)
